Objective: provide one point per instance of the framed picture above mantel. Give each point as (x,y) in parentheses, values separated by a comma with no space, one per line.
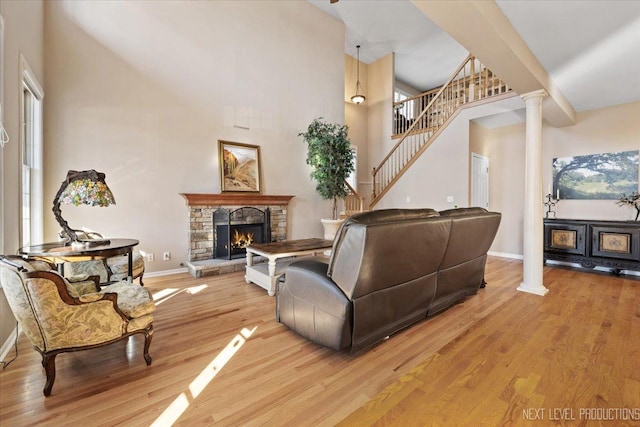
(239,167)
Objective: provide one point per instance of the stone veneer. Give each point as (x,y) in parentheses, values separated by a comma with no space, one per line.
(202,206)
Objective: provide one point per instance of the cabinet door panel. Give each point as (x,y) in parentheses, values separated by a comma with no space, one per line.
(615,242)
(565,238)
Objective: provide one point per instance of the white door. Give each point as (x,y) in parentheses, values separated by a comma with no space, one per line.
(479,181)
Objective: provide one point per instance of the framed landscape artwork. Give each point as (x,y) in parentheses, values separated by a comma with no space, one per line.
(239,167)
(604,176)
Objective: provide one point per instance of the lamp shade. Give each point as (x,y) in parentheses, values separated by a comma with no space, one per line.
(358,99)
(81,188)
(86,191)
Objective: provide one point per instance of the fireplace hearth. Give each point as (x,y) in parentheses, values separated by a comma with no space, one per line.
(235,229)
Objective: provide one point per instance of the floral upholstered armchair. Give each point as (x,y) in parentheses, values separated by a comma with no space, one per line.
(60,316)
(113,269)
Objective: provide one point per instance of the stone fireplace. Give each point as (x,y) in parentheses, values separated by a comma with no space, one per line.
(201,218)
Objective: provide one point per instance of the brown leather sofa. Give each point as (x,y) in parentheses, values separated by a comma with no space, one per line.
(388,269)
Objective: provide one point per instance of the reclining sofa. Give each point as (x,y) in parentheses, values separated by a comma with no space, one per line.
(388,269)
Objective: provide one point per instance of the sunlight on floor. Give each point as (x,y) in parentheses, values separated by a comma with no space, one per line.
(165,294)
(181,403)
(195,289)
(158,296)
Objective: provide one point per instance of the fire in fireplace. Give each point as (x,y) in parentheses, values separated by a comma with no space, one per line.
(241,240)
(236,229)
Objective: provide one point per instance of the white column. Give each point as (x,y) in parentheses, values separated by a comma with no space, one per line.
(533,227)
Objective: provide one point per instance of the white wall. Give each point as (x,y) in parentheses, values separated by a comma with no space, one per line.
(605,130)
(598,131)
(506,150)
(357,119)
(142,91)
(23,30)
(442,171)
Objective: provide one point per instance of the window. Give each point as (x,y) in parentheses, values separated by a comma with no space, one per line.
(353,177)
(27,164)
(404,111)
(408,107)
(31,215)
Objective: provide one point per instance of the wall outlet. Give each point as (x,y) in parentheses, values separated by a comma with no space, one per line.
(149,257)
(166,256)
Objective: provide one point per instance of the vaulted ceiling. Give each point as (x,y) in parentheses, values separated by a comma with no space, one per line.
(588,48)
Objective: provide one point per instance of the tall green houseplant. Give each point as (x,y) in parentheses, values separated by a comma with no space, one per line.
(330,158)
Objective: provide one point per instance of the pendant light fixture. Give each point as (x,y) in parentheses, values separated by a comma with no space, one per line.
(358,98)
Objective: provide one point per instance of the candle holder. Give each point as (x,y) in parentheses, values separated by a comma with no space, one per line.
(550,202)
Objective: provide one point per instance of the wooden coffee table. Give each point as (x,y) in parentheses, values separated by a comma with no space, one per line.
(266,275)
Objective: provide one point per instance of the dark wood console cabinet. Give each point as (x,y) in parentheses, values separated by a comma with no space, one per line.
(612,244)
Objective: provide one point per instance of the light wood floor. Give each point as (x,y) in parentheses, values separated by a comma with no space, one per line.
(496,359)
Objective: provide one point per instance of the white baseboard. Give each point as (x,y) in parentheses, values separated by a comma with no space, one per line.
(505,255)
(9,345)
(165,272)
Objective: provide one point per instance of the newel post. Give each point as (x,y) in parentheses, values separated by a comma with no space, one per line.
(373,186)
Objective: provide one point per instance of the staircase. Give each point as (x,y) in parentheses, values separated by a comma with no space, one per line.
(472,84)
(353,203)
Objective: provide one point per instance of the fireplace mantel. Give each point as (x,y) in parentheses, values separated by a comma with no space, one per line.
(233,199)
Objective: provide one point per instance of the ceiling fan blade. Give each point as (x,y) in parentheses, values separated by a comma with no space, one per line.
(333,1)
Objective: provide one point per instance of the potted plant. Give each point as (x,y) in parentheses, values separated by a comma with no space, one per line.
(332,161)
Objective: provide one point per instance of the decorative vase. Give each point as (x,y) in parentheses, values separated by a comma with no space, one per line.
(331,227)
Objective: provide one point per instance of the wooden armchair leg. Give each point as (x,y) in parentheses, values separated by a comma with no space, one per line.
(148,334)
(49,364)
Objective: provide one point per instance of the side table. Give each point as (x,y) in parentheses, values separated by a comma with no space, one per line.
(58,253)
(266,276)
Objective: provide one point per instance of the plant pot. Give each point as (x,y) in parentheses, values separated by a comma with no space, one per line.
(331,227)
